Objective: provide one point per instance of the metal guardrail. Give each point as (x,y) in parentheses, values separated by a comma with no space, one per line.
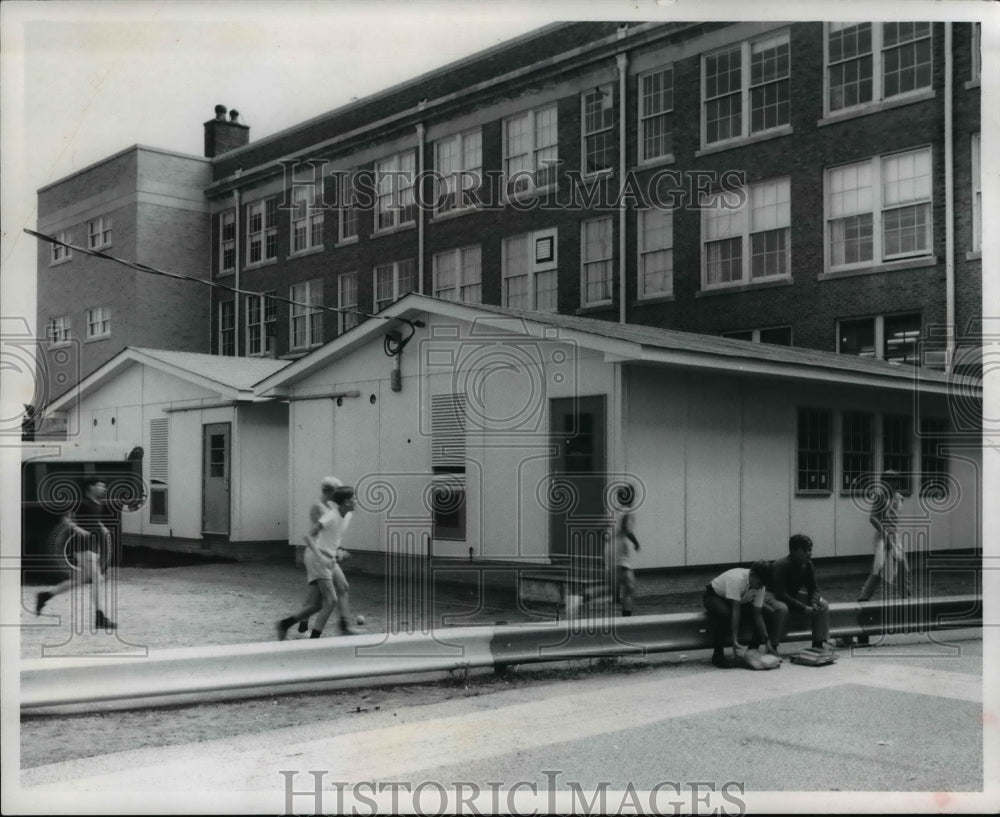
(190,671)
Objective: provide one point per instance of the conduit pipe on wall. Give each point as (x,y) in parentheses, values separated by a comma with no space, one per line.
(949,204)
(622,165)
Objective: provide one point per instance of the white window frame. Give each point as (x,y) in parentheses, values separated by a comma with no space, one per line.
(401,276)
(743,224)
(466,285)
(466,163)
(227,224)
(309,319)
(605,259)
(347,299)
(348,216)
(746,89)
(306,220)
(603,130)
(878,69)
(977,193)
(532,170)
(877,210)
(99,232)
(98,322)
(227,327)
(266,237)
(647,253)
(60,253)
(261,312)
(57,330)
(878,339)
(648,117)
(394,179)
(540,266)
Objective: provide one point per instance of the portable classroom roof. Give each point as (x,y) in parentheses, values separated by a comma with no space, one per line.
(632,343)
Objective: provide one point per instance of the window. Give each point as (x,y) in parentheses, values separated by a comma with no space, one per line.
(977,196)
(871,62)
(262,230)
(393,281)
(598,129)
(887,337)
(749,77)
(347,301)
(448,422)
(57,330)
(897,450)
(348,209)
(307,219)
(227,328)
(261,322)
(656,254)
(879,210)
(814,452)
(656,121)
(598,260)
(459,161)
(977,51)
(933,459)
(529,264)
(531,150)
(99,233)
(394,181)
(458,275)
(306,319)
(98,322)
(741,250)
(159,469)
(858,452)
(227,241)
(59,252)
(777,335)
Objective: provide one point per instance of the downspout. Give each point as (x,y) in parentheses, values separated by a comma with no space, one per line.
(420,210)
(949,205)
(622,165)
(236,273)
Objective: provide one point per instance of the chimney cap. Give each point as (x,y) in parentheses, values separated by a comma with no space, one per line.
(220,111)
(234,115)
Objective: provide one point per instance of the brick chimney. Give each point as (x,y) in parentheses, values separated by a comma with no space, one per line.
(222,135)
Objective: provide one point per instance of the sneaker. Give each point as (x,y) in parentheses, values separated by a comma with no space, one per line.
(40,601)
(304,626)
(349,629)
(102,620)
(282,630)
(722,662)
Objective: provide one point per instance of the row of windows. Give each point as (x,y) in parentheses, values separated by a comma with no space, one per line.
(98,237)
(58,329)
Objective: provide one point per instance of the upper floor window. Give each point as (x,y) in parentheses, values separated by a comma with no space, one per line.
(529,263)
(751,77)
(778,335)
(99,322)
(99,232)
(261,322)
(977,196)
(749,243)
(347,301)
(306,321)
(393,281)
(879,210)
(227,328)
(531,149)
(394,182)
(656,252)
(977,51)
(307,219)
(227,241)
(262,230)
(348,208)
(61,253)
(458,160)
(458,275)
(886,337)
(599,143)
(656,121)
(597,258)
(57,330)
(871,62)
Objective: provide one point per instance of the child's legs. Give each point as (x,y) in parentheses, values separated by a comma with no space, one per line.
(314,601)
(329,601)
(341,590)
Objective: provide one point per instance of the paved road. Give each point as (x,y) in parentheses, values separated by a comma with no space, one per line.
(906,716)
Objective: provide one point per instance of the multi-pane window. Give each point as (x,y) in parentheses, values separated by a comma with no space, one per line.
(261,318)
(656,121)
(227,328)
(814,450)
(777,335)
(458,275)
(98,322)
(897,449)
(933,459)
(857,449)
(307,219)
(227,241)
(347,301)
(529,263)
(656,254)
(306,321)
(99,232)
(748,78)
(597,252)
(977,51)
(888,337)
(459,163)
(598,129)
(531,149)
(870,62)
(393,281)
(749,243)
(262,230)
(348,208)
(977,196)
(880,209)
(57,329)
(394,182)
(61,253)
